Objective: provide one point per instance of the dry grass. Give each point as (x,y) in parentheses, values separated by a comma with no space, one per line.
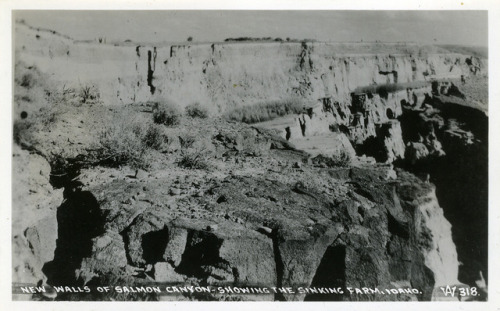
(390,88)
(266,111)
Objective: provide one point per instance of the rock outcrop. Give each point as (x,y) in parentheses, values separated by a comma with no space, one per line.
(34,223)
(373,232)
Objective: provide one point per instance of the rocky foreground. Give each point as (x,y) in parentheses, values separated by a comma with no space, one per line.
(276,219)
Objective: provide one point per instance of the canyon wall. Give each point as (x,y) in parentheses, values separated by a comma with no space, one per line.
(222,76)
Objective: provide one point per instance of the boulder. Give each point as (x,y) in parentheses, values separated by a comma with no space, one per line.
(164,272)
(416,151)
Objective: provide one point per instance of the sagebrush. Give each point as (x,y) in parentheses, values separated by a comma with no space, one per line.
(342,159)
(130,144)
(166,113)
(194,159)
(187,141)
(196,111)
(89,94)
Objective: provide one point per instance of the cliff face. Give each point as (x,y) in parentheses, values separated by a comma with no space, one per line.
(240,74)
(440,255)
(453,144)
(222,76)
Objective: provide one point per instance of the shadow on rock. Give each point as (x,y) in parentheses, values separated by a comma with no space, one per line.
(79,221)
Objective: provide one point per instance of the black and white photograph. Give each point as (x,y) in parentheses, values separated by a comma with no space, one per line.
(249,155)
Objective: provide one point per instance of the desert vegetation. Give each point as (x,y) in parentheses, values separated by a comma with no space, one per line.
(166,113)
(390,88)
(132,144)
(196,111)
(194,159)
(266,110)
(342,159)
(89,94)
(266,39)
(252,39)
(115,138)
(195,151)
(38,103)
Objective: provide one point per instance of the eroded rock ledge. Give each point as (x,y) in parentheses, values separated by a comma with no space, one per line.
(360,228)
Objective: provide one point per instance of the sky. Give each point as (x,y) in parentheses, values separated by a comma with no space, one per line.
(442,27)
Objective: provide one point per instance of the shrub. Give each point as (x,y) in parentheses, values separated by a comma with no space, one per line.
(27,80)
(194,159)
(121,146)
(23,134)
(187,141)
(154,137)
(88,94)
(28,76)
(342,159)
(196,111)
(266,111)
(166,114)
(129,144)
